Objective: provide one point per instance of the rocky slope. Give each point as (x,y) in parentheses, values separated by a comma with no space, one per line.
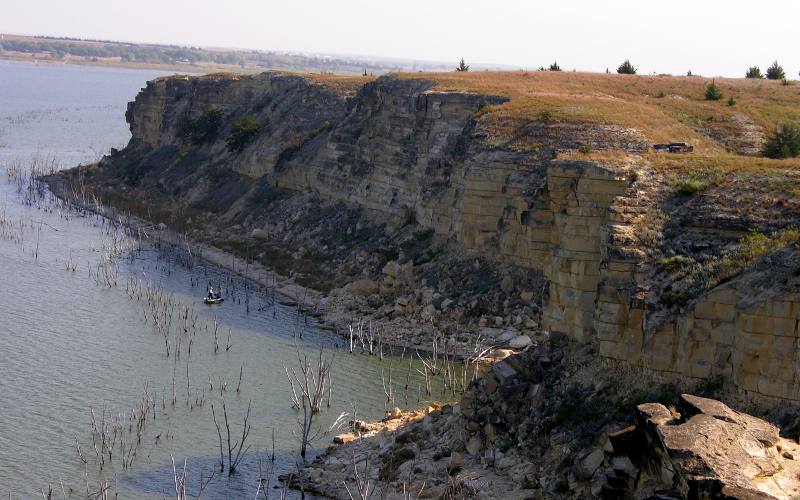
(464,211)
(455,206)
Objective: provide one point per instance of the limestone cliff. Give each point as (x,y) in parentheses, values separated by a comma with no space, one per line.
(657,274)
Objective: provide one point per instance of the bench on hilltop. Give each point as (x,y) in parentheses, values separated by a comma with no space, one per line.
(673,147)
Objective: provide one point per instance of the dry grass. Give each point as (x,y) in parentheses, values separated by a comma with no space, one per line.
(627,101)
(344,85)
(729,162)
(341,84)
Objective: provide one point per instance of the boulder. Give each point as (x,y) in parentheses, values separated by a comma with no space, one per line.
(588,462)
(704,450)
(474,446)
(507,285)
(392,269)
(520,342)
(364,287)
(394,414)
(344,438)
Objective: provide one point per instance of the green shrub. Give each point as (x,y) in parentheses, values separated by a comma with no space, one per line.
(626,68)
(203,129)
(697,181)
(784,143)
(244,131)
(691,187)
(554,67)
(669,264)
(754,72)
(754,246)
(486,108)
(785,82)
(713,93)
(731,101)
(462,66)
(584,150)
(775,72)
(546,116)
(662,95)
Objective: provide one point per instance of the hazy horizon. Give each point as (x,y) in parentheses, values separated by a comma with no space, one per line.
(714,38)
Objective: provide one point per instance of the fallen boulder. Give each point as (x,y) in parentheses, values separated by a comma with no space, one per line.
(702,449)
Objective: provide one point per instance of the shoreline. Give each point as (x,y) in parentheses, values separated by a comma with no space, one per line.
(177,69)
(288,293)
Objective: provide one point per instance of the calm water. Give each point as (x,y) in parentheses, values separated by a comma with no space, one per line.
(68,345)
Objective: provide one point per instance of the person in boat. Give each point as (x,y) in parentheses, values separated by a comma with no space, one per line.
(210,293)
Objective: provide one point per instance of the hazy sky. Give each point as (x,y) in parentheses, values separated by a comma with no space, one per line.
(711,37)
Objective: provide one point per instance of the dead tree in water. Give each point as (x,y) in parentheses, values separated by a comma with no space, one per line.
(313,384)
(180,482)
(235,450)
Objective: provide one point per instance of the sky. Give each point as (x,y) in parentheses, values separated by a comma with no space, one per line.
(709,37)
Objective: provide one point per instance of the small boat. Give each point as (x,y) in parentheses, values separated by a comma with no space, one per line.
(216,299)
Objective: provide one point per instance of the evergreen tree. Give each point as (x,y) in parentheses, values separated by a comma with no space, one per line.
(462,66)
(775,72)
(713,93)
(244,131)
(754,72)
(784,143)
(555,67)
(626,68)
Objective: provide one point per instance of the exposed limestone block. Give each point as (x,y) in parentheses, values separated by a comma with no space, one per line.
(707,450)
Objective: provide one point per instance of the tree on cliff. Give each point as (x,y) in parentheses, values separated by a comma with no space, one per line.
(462,66)
(775,72)
(626,68)
(244,131)
(754,72)
(202,129)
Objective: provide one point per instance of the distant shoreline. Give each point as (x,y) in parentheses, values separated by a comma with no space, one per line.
(193,59)
(182,69)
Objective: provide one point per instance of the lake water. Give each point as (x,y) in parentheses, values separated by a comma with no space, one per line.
(70,344)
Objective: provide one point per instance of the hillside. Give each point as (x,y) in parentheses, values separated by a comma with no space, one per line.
(506,211)
(660,109)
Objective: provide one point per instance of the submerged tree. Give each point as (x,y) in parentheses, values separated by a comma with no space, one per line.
(626,68)
(462,66)
(311,385)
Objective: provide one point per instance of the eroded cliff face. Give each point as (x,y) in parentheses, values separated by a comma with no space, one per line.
(405,153)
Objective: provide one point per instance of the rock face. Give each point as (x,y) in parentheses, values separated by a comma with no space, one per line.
(706,451)
(406,154)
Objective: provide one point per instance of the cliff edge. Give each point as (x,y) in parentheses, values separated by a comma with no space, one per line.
(499,205)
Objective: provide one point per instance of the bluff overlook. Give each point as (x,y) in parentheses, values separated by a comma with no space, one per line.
(684,265)
(501,212)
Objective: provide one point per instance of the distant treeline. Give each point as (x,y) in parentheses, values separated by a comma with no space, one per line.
(59,48)
(125,51)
